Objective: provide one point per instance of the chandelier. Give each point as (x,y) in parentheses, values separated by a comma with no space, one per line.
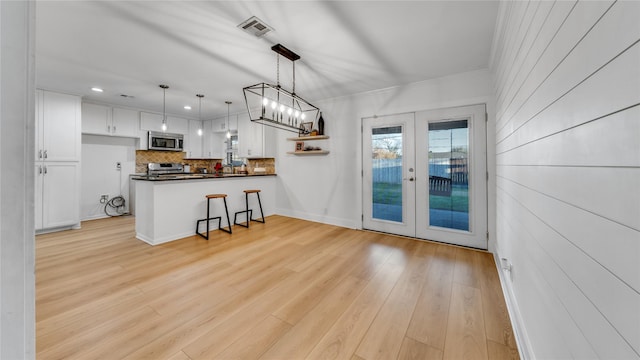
(271,105)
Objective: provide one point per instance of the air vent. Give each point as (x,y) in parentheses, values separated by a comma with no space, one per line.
(255,26)
(127,96)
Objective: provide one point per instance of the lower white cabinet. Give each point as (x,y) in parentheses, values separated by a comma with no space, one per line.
(57,199)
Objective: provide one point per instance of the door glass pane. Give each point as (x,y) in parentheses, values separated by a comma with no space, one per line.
(449,174)
(387,173)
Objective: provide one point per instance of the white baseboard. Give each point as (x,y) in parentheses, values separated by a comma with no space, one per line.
(317,218)
(522,340)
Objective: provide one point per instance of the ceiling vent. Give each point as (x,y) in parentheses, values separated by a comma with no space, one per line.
(255,26)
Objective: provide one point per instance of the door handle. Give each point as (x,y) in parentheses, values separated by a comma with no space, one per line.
(39,169)
(45,169)
(40,154)
(410,179)
(45,154)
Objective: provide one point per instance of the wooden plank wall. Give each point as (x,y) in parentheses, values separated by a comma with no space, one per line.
(567,92)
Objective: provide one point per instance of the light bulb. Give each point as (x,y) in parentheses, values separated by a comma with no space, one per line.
(303,116)
(282,108)
(164,127)
(265,101)
(199,132)
(289,111)
(297,113)
(274,105)
(228,134)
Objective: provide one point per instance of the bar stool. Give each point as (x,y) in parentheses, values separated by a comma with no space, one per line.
(248,211)
(219,218)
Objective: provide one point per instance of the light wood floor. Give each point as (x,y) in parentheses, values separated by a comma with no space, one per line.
(287,289)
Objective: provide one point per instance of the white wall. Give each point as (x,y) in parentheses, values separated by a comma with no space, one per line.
(328,188)
(17,180)
(567,89)
(100,155)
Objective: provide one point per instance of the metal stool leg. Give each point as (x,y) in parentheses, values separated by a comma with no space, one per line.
(247,211)
(228,221)
(209,218)
(261,213)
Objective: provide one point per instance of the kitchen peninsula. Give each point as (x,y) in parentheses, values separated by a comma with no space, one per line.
(167,208)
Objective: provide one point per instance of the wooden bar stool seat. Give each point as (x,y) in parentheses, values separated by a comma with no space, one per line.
(248,211)
(219,218)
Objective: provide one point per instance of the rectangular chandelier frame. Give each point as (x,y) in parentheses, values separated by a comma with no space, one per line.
(271,105)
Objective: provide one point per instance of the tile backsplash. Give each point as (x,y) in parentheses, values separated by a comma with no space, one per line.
(144,157)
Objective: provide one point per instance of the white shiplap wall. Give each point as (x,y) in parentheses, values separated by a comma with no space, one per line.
(567,90)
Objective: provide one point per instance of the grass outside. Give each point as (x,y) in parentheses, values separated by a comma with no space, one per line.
(391,194)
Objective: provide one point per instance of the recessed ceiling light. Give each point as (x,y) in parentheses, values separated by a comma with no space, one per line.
(97,89)
(187,107)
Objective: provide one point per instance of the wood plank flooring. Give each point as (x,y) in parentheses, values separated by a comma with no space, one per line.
(287,289)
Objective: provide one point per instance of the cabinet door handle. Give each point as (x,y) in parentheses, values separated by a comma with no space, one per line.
(40,154)
(45,155)
(45,169)
(114,129)
(39,169)
(108,128)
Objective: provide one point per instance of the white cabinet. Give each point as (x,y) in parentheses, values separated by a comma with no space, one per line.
(96,119)
(177,125)
(254,140)
(105,120)
(125,122)
(214,142)
(194,141)
(58,134)
(220,125)
(153,122)
(57,126)
(57,199)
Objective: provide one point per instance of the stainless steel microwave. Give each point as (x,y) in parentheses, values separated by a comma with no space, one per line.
(165,141)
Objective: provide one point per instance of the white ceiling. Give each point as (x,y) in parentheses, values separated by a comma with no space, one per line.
(346,47)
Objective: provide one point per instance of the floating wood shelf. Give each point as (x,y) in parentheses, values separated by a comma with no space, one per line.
(310,152)
(308,138)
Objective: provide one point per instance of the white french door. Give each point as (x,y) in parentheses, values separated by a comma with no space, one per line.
(388,164)
(424,175)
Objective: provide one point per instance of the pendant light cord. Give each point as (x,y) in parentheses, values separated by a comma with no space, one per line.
(164,106)
(200,96)
(278,69)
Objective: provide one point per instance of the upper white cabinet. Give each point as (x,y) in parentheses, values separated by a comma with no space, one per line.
(153,122)
(220,125)
(58,126)
(125,122)
(194,142)
(105,120)
(177,125)
(254,140)
(96,119)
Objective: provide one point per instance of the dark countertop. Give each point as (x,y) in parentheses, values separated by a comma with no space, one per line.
(192,176)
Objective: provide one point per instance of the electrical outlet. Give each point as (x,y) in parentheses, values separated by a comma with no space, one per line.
(104,199)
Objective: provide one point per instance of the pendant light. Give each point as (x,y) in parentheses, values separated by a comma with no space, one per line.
(271,105)
(200,96)
(228,129)
(164,108)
